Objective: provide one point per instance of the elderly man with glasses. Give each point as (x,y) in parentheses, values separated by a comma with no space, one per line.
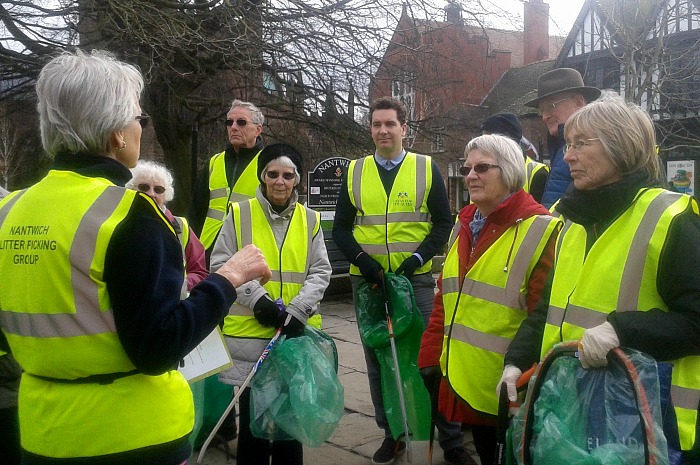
(560,93)
(229,175)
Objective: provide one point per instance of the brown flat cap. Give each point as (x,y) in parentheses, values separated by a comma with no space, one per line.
(562,80)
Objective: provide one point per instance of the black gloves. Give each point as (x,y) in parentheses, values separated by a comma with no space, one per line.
(409,266)
(370,268)
(293,327)
(266,312)
(432,376)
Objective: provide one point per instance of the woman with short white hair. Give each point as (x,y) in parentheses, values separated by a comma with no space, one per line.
(155,180)
(90,302)
(498,257)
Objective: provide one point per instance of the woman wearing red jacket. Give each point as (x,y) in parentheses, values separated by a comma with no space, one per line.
(500,252)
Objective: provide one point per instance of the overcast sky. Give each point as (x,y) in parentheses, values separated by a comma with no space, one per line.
(562,13)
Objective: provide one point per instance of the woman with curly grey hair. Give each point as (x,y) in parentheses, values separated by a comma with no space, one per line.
(154,180)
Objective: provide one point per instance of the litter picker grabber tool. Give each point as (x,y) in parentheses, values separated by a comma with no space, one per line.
(502,425)
(397,373)
(264,354)
(503,419)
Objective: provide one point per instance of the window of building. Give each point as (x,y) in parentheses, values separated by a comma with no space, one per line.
(403,88)
(438,140)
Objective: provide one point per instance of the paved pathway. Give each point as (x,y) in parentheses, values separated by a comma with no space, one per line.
(357,436)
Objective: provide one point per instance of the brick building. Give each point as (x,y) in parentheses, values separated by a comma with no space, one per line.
(443,71)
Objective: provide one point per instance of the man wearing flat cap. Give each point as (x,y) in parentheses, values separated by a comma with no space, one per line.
(560,93)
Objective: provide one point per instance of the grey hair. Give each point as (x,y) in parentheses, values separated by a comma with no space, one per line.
(150,171)
(256,114)
(626,133)
(83,99)
(284,161)
(509,155)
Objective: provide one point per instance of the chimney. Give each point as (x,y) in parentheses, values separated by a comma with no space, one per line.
(536,36)
(453,13)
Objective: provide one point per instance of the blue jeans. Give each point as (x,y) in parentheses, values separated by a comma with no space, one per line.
(449,433)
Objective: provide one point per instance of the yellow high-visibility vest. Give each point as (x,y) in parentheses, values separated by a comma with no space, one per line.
(289,265)
(184,237)
(619,274)
(532,167)
(482,317)
(56,314)
(390,228)
(220,194)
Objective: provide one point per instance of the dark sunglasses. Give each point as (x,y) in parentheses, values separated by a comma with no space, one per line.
(146,187)
(143,119)
(480,168)
(240,122)
(275,175)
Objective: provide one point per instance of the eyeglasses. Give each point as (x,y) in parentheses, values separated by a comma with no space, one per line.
(240,122)
(550,107)
(146,187)
(579,144)
(480,168)
(143,119)
(285,176)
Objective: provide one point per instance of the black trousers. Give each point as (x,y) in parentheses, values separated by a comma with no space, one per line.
(485,442)
(255,451)
(9,436)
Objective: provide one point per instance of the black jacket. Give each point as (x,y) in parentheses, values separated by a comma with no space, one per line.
(236,162)
(144,274)
(662,335)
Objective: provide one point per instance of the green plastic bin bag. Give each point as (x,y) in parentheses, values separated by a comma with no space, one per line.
(414,392)
(407,322)
(600,416)
(211,398)
(197,389)
(295,393)
(371,312)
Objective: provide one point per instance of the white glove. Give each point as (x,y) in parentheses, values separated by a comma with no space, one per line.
(595,345)
(510,376)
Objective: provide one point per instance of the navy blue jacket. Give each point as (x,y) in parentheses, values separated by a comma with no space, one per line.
(559,175)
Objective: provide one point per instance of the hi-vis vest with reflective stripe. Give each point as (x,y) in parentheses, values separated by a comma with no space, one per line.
(289,266)
(391,229)
(531,168)
(183,235)
(56,313)
(482,318)
(220,194)
(619,273)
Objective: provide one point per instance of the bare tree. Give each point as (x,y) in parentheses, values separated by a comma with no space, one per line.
(8,147)
(650,53)
(198,55)
(297,59)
